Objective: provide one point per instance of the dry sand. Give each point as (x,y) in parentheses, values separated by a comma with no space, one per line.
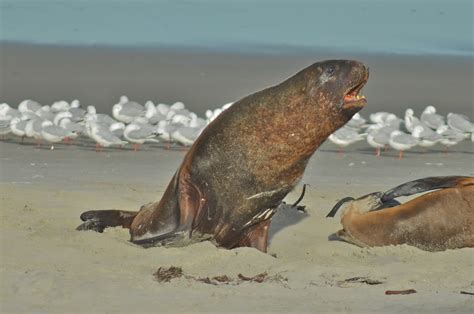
(48,267)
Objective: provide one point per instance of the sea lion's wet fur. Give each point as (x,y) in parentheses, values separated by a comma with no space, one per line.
(435,221)
(248,159)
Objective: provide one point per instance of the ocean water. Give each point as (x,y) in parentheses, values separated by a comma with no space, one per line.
(274,26)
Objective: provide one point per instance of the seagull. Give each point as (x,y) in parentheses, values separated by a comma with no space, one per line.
(74,128)
(5,127)
(92,115)
(356,122)
(411,121)
(45,113)
(163,109)
(426,137)
(184,114)
(7,113)
(379,117)
(126,111)
(165,129)
(189,132)
(152,114)
(460,123)
(29,105)
(378,139)
(102,136)
(211,115)
(401,142)
(78,113)
(139,134)
(186,135)
(431,118)
(117,128)
(33,129)
(59,106)
(17,126)
(177,106)
(450,137)
(344,137)
(61,115)
(54,133)
(393,121)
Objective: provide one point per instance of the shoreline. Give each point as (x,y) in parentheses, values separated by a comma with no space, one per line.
(245,50)
(208,79)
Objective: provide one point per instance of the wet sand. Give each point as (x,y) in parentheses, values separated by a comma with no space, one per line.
(47,266)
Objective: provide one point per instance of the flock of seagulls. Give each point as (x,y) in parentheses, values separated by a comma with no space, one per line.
(136,124)
(130,123)
(387,130)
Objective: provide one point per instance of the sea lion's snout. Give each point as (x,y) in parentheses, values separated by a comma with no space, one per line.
(339,83)
(356,77)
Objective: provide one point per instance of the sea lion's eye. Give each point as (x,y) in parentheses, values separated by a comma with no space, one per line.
(330,70)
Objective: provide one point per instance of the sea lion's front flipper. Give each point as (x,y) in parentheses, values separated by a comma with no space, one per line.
(424,185)
(344,236)
(170,221)
(256,236)
(98,220)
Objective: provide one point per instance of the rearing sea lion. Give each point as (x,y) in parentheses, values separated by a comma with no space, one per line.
(246,161)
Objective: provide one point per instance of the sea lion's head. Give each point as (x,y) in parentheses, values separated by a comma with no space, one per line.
(336,84)
(313,103)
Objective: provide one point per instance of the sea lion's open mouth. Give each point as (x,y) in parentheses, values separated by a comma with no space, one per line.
(352,99)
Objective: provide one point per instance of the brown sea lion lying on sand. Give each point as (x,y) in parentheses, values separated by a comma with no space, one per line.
(435,221)
(245,162)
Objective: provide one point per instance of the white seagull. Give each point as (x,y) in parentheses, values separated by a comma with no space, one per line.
(344,137)
(450,137)
(102,136)
(54,133)
(401,142)
(139,134)
(29,105)
(431,118)
(426,136)
(126,111)
(460,123)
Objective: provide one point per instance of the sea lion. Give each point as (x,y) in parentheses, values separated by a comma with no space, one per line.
(435,221)
(245,162)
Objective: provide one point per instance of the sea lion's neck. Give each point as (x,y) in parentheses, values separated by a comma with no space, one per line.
(280,130)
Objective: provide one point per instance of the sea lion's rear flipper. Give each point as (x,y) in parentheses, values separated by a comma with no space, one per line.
(98,220)
(424,185)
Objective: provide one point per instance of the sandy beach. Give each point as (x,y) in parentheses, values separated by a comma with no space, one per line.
(49,267)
